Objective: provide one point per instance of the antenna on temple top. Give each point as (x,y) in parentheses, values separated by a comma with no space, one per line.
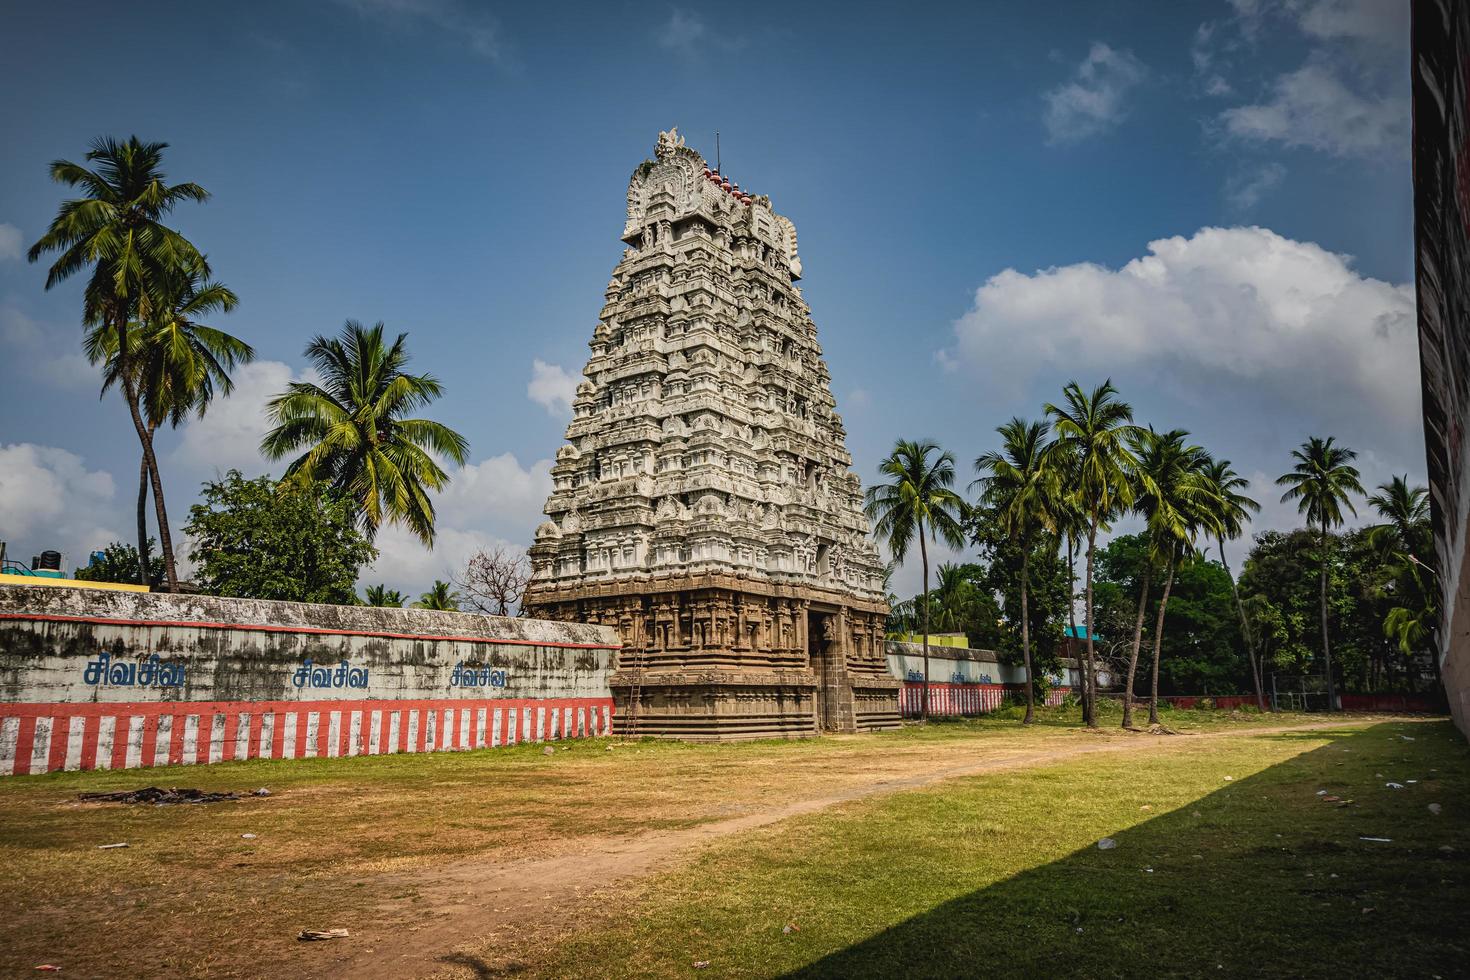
(717,152)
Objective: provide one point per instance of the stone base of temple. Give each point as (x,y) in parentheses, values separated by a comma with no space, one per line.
(727,706)
(714,658)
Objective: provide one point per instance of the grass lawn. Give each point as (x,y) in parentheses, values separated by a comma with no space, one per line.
(989,872)
(1251,876)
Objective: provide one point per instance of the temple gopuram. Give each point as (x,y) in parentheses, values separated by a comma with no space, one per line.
(704,504)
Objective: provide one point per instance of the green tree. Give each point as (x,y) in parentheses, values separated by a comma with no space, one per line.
(354,433)
(1093,430)
(1048,595)
(1321,483)
(118,562)
(1019,485)
(1163,496)
(1201,647)
(1232,509)
(298,543)
(177,362)
(1404,535)
(115,230)
(441,596)
(917,502)
(382,596)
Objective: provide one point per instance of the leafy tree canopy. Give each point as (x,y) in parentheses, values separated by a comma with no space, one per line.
(296,542)
(119,563)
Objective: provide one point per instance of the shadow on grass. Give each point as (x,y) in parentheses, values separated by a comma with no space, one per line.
(1262,877)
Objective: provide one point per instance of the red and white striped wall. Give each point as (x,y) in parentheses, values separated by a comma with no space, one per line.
(965,700)
(37,738)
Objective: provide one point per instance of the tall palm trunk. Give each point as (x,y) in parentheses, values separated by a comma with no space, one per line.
(1326,644)
(1148,571)
(1072,609)
(130,393)
(1091,713)
(1153,696)
(1026,638)
(143,521)
(924,558)
(1245,630)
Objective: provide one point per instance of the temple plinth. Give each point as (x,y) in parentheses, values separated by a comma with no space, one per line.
(704,503)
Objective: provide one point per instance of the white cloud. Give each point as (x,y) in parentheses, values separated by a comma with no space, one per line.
(46,351)
(1311,107)
(228,437)
(468,22)
(49,500)
(1094,100)
(494,502)
(1378,22)
(1236,318)
(1244,190)
(10,242)
(552,388)
(682,31)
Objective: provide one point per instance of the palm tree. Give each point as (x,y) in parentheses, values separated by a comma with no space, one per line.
(1197,511)
(1070,525)
(116,230)
(383,597)
(176,362)
(440,596)
(1017,482)
(1405,511)
(354,434)
(1403,535)
(1162,497)
(1320,482)
(917,499)
(954,597)
(1094,430)
(1231,511)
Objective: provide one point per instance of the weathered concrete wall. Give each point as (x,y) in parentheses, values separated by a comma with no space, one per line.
(962,680)
(1440,50)
(91,678)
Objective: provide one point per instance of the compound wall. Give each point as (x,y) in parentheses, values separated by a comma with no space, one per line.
(98,679)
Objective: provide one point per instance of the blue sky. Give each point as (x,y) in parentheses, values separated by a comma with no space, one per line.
(1208,202)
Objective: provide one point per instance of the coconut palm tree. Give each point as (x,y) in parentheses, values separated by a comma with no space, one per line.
(953,599)
(177,363)
(1094,428)
(1197,513)
(1020,485)
(1232,509)
(1070,523)
(383,597)
(354,433)
(441,596)
(1321,483)
(1163,496)
(917,502)
(1405,511)
(115,229)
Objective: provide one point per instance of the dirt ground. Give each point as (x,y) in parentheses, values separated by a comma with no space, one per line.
(423,858)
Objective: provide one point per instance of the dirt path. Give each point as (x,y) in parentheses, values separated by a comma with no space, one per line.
(466,902)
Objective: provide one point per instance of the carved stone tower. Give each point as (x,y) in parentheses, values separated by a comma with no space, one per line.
(703,504)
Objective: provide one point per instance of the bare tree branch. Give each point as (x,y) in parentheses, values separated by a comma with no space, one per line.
(494,581)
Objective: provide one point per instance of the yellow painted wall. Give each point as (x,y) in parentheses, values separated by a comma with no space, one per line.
(69,583)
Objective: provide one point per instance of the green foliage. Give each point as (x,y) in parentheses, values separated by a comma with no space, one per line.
(441,596)
(119,563)
(1202,652)
(355,437)
(1048,595)
(382,596)
(297,542)
(1365,584)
